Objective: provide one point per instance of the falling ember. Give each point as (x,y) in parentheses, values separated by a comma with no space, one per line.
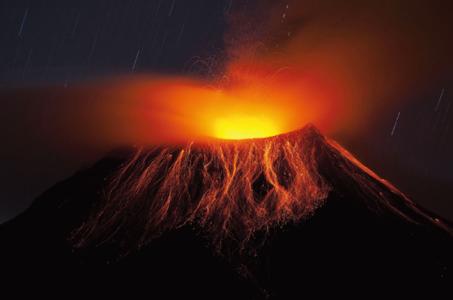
(230,189)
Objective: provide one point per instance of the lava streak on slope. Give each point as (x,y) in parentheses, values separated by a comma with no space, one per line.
(232,190)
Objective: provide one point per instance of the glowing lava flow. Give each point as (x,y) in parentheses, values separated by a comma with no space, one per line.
(231,189)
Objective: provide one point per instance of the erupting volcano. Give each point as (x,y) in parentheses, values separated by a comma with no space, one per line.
(211,137)
(229,186)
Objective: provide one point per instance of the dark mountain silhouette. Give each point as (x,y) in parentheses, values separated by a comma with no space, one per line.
(365,234)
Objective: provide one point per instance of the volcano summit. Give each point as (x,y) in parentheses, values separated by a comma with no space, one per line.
(240,219)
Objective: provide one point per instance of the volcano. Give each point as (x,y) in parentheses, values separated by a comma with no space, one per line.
(261,218)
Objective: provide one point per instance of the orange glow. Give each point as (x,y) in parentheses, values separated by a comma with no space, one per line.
(251,103)
(239,127)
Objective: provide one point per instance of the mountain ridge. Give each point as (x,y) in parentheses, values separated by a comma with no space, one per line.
(349,230)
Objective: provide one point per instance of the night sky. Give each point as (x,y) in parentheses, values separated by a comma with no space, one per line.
(62,42)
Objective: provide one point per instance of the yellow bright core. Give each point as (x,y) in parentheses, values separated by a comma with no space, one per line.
(239,127)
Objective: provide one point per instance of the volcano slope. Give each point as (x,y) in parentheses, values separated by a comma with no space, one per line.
(251,219)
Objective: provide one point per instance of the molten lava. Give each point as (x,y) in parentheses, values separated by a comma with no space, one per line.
(244,127)
(231,189)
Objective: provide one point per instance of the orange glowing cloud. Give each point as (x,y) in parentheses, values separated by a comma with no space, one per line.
(248,105)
